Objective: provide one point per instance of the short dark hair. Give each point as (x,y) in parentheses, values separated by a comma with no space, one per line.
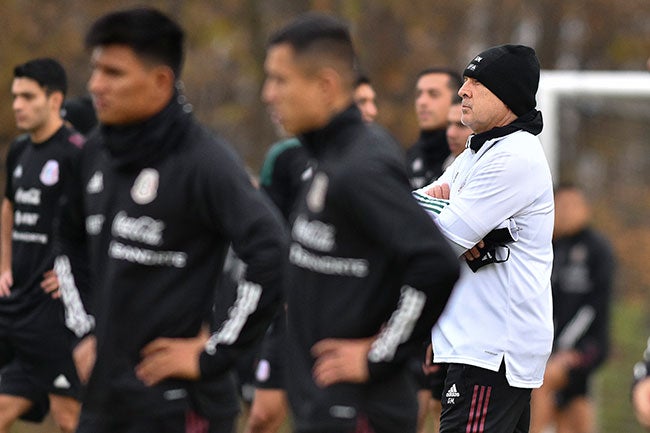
(80,113)
(455,80)
(147,31)
(47,72)
(319,33)
(362,79)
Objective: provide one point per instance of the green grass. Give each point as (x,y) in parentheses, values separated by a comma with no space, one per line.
(612,391)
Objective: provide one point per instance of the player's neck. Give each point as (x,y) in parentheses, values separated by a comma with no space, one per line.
(46,131)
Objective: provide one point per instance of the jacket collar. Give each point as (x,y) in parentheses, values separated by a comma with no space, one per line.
(140,145)
(321,140)
(529,122)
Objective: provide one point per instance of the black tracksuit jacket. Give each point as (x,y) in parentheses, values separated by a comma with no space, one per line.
(425,159)
(156,206)
(365,261)
(582,280)
(37,175)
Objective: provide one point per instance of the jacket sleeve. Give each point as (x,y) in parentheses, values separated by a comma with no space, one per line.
(72,263)
(381,205)
(247,219)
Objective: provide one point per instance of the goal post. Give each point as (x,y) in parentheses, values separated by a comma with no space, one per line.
(553,85)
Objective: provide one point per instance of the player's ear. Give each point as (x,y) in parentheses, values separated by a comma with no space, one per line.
(163,76)
(56,99)
(330,83)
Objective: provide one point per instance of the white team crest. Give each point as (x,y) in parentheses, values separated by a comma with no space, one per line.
(18,172)
(317,192)
(96,183)
(61,382)
(145,187)
(50,173)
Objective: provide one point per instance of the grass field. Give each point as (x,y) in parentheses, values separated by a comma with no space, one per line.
(612,384)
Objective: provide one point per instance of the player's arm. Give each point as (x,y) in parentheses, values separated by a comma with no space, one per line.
(249,220)
(6,227)
(641,401)
(260,240)
(383,208)
(71,264)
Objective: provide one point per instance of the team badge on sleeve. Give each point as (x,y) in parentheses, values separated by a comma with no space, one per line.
(50,173)
(145,187)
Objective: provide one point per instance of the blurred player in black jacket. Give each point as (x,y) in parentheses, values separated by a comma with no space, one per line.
(369,273)
(159,200)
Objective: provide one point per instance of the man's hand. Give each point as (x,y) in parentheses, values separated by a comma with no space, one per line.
(50,284)
(171,357)
(428,367)
(442,191)
(558,367)
(474,253)
(439,191)
(341,360)
(6,281)
(641,402)
(84,356)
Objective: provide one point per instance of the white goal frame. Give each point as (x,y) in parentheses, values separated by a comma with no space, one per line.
(553,85)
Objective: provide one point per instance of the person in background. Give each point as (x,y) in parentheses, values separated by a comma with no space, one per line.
(369,273)
(457,133)
(366,99)
(41,372)
(80,113)
(496,333)
(284,172)
(582,279)
(430,394)
(641,389)
(435,91)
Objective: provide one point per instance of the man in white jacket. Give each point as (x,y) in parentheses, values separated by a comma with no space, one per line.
(496,331)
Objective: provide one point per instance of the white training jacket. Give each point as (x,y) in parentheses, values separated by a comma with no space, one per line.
(503,312)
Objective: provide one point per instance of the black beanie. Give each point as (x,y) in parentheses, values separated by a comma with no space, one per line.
(511,72)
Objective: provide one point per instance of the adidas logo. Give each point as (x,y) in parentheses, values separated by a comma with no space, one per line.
(61,382)
(453,392)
